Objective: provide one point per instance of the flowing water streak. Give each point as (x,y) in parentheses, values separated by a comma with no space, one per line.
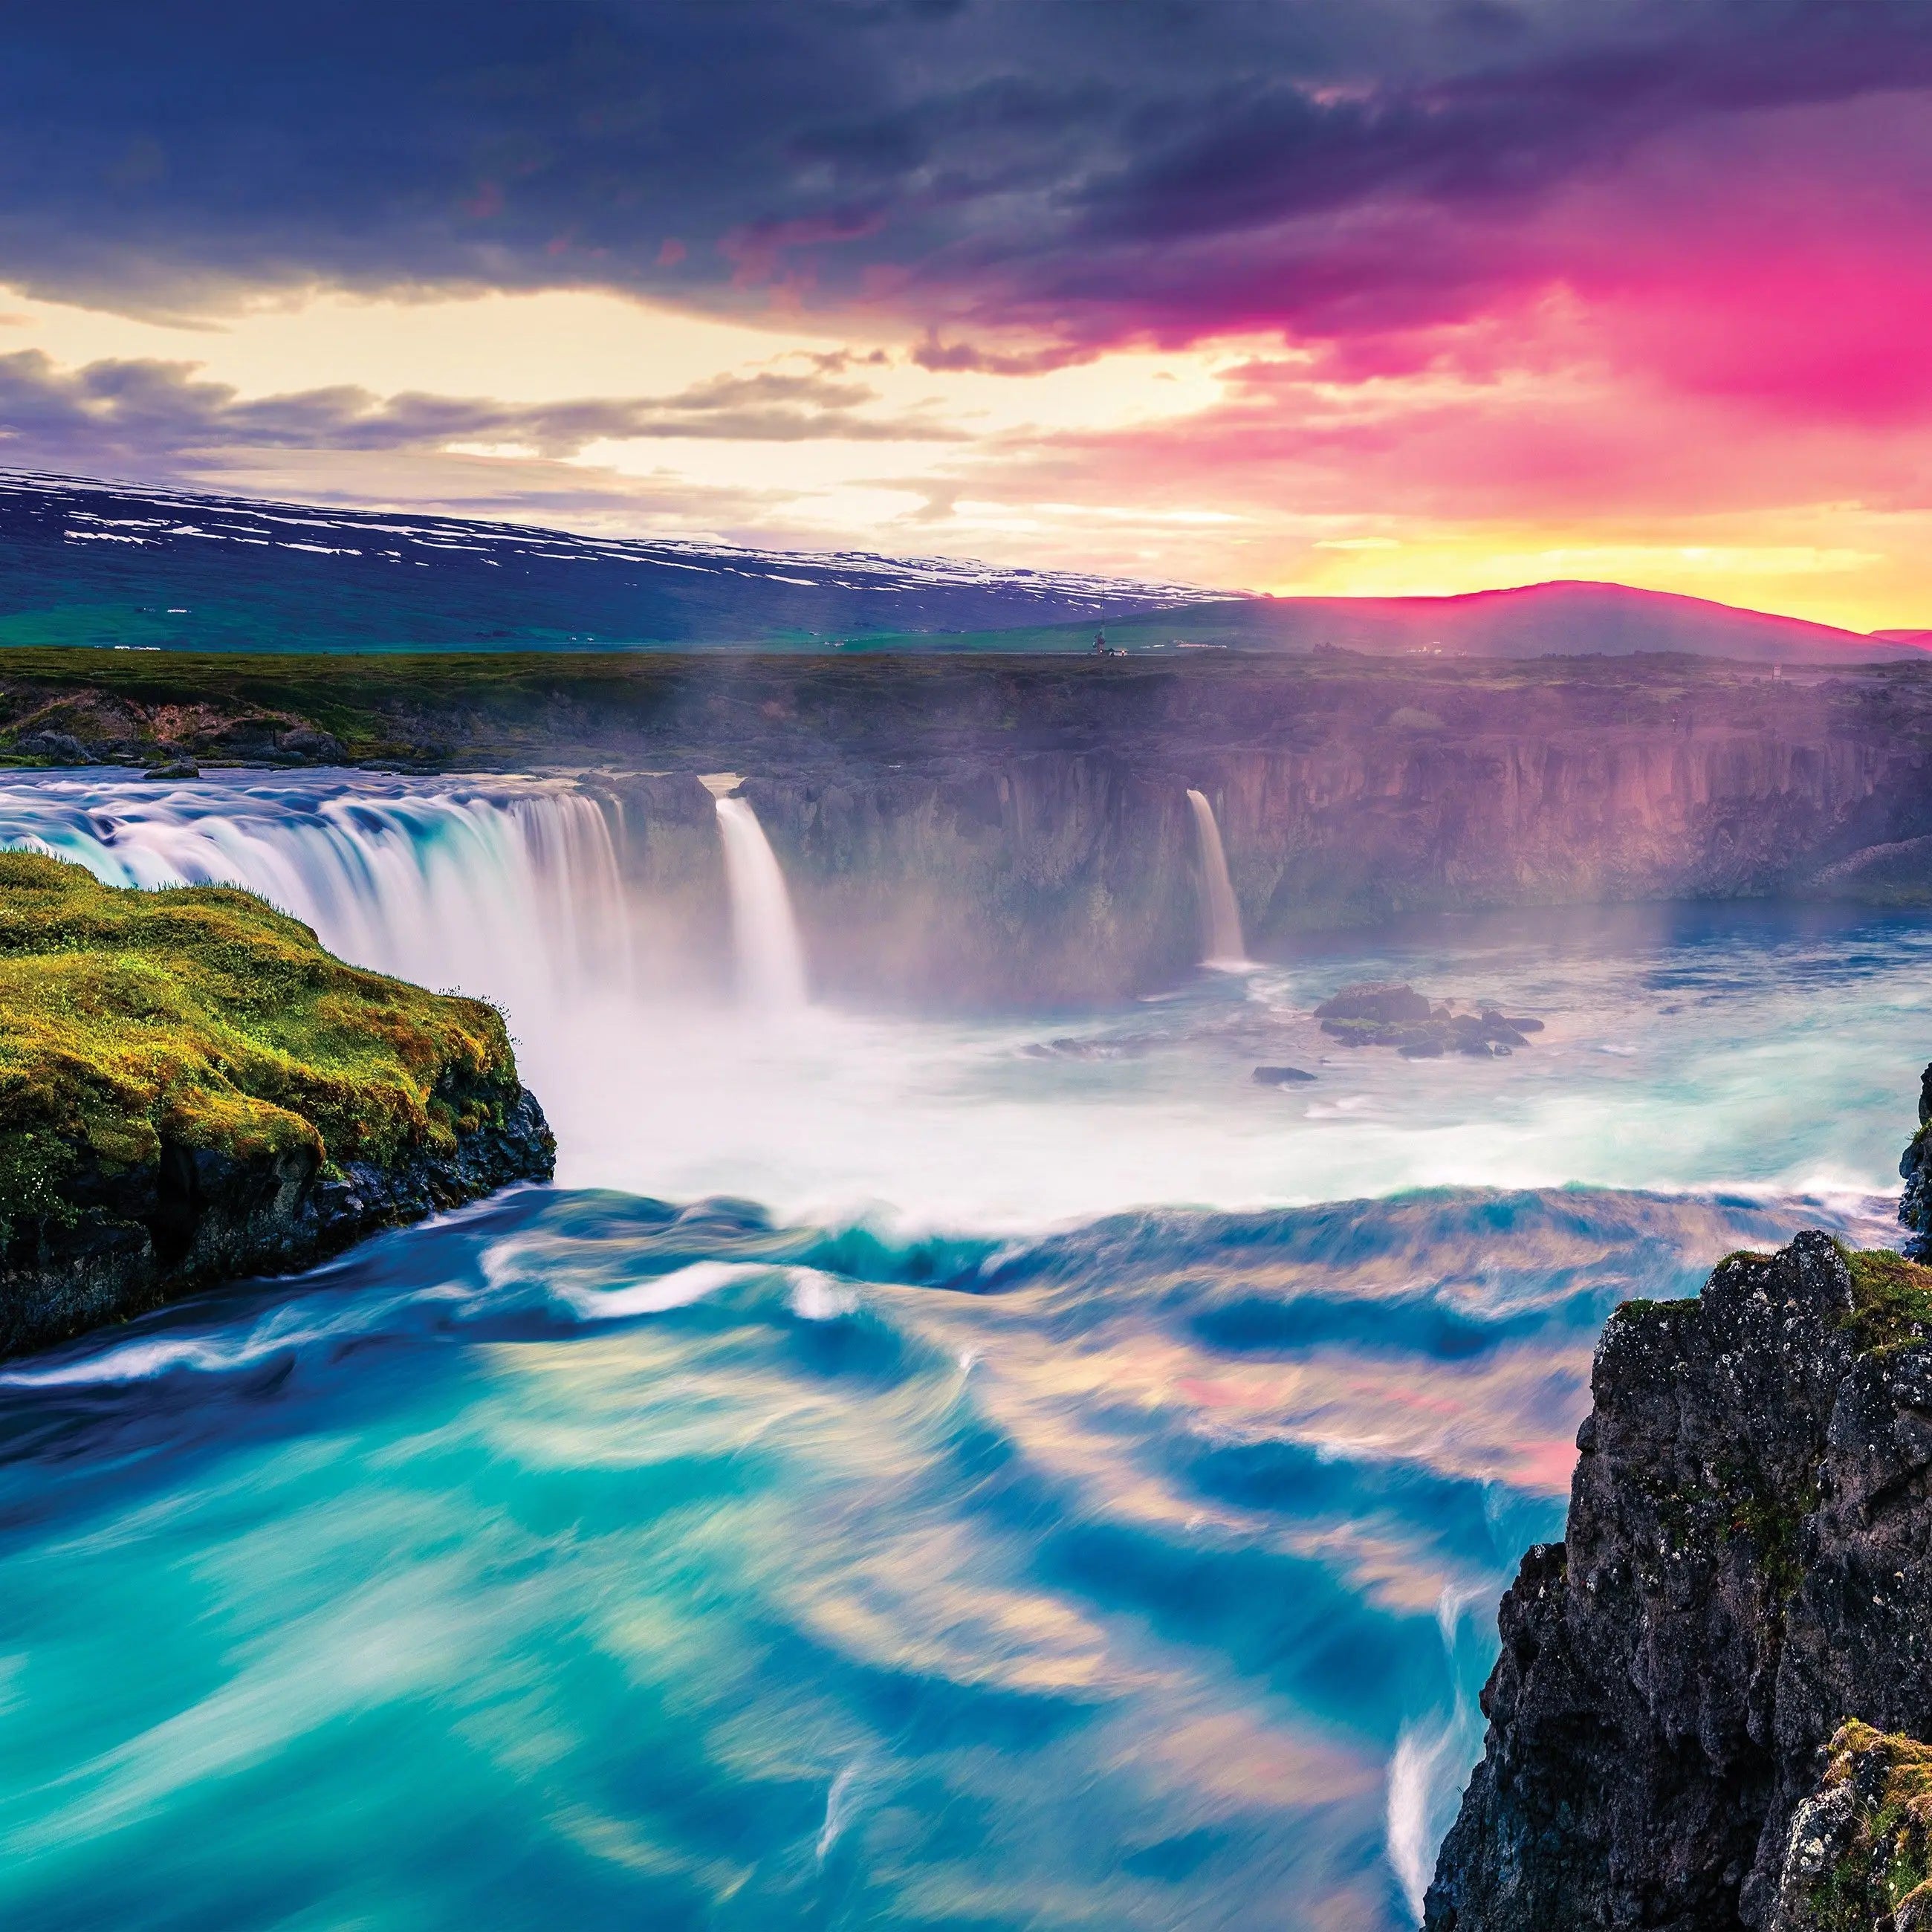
(513,891)
(771,961)
(1220,915)
(587,1559)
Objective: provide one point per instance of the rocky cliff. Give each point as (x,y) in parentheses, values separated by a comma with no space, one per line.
(1748,1568)
(192,1091)
(1016,830)
(1012,833)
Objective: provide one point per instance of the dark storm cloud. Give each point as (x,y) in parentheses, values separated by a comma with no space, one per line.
(117,415)
(1089,167)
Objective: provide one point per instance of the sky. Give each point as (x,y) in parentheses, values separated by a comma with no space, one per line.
(1360,296)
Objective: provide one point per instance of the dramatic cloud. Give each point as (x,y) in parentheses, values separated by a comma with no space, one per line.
(1494,260)
(119,415)
(1183,165)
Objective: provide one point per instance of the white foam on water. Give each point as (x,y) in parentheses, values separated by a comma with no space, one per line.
(1767,1062)
(657,1295)
(1428,1760)
(840,1804)
(817,1298)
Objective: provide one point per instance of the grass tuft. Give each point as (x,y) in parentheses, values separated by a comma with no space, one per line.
(1891,1298)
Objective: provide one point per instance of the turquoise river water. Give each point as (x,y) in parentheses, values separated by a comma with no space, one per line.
(906,1473)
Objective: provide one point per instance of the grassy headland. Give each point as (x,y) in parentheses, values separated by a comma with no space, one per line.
(201,1018)
(193,1091)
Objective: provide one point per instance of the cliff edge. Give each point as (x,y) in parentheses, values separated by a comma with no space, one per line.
(1746,1577)
(193,1091)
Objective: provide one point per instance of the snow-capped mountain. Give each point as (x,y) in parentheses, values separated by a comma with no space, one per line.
(117,563)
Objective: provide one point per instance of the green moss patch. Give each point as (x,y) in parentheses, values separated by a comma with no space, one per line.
(1638,1308)
(1883,1873)
(200,1017)
(1892,1297)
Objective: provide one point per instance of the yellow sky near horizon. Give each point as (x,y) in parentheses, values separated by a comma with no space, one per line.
(1234,464)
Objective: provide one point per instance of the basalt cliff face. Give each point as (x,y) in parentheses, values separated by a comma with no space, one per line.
(1075,873)
(1017,833)
(1685,1719)
(1016,830)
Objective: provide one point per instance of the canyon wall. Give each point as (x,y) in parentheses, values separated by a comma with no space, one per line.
(1004,830)
(1688,1719)
(1060,875)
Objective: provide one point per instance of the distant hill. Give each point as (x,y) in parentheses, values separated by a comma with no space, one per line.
(94,563)
(1570,619)
(1538,620)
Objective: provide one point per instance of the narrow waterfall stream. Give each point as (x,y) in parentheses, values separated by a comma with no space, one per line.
(771,959)
(1221,943)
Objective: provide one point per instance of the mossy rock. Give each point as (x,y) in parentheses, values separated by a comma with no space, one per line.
(1892,1297)
(192,1052)
(1860,1854)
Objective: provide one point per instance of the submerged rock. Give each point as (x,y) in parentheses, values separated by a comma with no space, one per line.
(1379,1004)
(1400,1017)
(1747,1565)
(1281,1076)
(1071,1047)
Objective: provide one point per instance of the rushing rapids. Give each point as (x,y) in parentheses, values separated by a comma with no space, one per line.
(911,1470)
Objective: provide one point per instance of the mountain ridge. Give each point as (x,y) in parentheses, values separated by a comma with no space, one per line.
(93,563)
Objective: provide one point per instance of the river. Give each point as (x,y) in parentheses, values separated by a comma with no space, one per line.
(909,1471)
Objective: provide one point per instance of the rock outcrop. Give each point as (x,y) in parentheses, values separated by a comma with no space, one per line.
(1860,1849)
(193,1091)
(1915,1206)
(1747,1565)
(196,1216)
(1400,1017)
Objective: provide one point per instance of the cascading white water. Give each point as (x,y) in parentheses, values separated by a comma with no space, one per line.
(771,961)
(1221,943)
(509,889)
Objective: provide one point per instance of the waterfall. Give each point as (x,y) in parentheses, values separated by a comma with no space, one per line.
(771,961)
(1222,944)
(507,888)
